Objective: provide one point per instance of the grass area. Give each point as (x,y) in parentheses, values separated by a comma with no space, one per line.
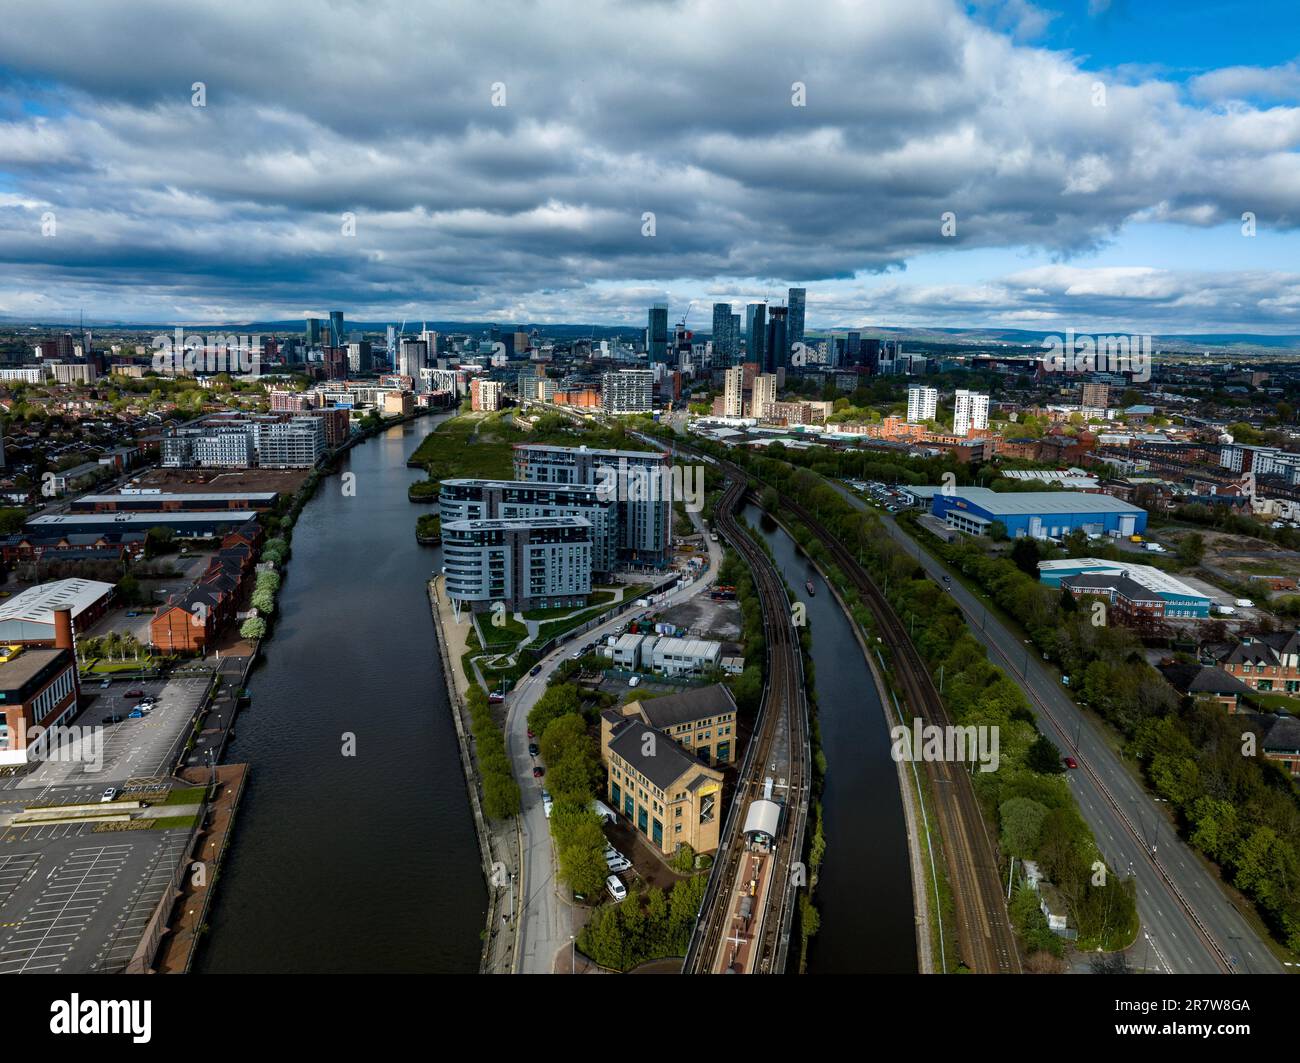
(558,627)
(171,822)
(186,795)
(1273,702)
(103,667)
(504,637)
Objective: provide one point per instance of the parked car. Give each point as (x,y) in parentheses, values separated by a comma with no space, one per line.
(1070,762)
(105,684)
(135,714)
(533,749)
(114,718)
(538,771)
(616,888)
(108,795)
(547,805)
(135,693)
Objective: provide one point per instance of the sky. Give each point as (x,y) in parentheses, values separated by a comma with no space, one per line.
(1101,165)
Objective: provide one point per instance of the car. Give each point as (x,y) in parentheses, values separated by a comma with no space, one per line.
(135,714)
(496,697)
(538,771)
(616,888)
(135,693)
(108,795)
(530,733)
(947,579)
(114,718)
(105,684)
(533,749)
(546,794)
(1070,762)
(132,614)
(535,670)
(619,866)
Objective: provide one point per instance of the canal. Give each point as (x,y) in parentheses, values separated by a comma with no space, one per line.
(365,863)
(864,893)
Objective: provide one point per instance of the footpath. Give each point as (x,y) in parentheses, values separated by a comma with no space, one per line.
(499,842)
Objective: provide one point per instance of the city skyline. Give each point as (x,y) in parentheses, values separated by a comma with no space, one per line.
(1097,161)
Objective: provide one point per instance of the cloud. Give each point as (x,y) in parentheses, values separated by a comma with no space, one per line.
(612,110)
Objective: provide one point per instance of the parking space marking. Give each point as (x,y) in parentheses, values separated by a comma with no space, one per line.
(75,889)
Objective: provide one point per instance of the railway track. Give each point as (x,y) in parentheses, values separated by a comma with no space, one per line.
(987,940)
(778,750)
(983,925)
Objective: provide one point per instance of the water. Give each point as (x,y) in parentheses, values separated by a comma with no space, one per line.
(366,863)
(864,893)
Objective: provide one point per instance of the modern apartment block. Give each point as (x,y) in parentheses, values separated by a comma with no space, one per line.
(764,394)
(467,499)
(733,392)
(295,444)
(640,482)
(485,395)
(970,412)
(217,446)
(534,563)
(922,403)
(627,391)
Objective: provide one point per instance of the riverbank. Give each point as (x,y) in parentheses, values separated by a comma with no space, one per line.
(355,778)
(500,842)
(914,818)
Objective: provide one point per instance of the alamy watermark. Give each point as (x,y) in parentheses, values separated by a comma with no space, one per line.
(70,744)
(181,354)
(624,482)
(1073,353)
(954,745)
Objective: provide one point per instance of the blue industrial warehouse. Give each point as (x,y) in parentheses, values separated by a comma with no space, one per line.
(1037,514)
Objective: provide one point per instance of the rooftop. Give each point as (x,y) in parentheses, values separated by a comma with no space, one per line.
(1026,503)
(689,705)
(669,762)
(55,521)
(21,669)
(37,604)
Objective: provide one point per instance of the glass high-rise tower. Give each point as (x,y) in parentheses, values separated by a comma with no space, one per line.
(656,334)
(794,321)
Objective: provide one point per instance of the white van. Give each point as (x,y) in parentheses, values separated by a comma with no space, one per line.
(634,681)
(616,888)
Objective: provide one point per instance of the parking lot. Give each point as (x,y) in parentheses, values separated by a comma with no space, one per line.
(144,747)
(82,904)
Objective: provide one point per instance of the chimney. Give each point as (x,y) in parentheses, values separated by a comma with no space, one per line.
(63,628)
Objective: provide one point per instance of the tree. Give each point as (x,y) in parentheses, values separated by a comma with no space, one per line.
(1022,824)
(253,628)
(1044,757)
(1191,548)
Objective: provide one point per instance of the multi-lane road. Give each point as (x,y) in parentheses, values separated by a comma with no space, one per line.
(1189,925)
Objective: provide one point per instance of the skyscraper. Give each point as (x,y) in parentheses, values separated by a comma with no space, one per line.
(794,324)
(755,332)
(776,351)
(337,335)
(656,334)
(312,332)
(725,342)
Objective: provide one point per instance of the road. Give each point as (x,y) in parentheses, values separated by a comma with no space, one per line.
(546,921)
(1169,941)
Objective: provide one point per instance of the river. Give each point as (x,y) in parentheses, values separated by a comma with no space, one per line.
(864,893)
(363,863)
